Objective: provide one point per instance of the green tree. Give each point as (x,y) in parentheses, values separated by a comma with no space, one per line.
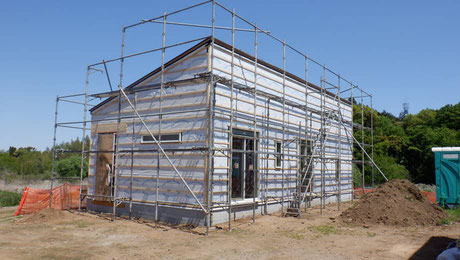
(70,167)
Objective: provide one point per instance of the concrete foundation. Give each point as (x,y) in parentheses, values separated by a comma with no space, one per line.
(188,216)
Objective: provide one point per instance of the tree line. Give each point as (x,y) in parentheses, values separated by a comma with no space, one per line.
(402,146)
(29,163)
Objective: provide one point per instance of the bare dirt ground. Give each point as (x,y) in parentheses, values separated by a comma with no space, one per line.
(67,235)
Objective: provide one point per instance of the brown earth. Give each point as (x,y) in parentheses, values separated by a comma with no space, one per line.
(397,203)
(68,235)
(48,215)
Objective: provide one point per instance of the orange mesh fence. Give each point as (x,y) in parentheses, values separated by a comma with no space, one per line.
(65,196)
(430,195)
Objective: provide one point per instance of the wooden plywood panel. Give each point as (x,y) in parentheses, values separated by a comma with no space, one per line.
(103,160)
(108,128)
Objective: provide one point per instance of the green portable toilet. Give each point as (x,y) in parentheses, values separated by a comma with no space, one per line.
(447,169)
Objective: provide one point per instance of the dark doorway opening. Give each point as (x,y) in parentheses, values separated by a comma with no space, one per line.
(305,155)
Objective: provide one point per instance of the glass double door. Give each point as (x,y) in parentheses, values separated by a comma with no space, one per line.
(243,168)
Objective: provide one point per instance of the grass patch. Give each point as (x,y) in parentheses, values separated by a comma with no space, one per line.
(8,198)
(296,236)
(293,234)
(371,234)
(82,224)
(324,229)
(454,216)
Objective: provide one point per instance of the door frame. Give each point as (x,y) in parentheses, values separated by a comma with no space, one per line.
(249,136)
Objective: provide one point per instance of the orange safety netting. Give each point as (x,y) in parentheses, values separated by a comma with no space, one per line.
(65,196)
(430,195)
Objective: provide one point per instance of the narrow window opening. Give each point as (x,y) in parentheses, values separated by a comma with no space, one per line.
(337,169)
(278,154)
(165,138)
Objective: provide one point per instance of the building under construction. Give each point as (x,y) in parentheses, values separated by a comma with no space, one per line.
(217,133)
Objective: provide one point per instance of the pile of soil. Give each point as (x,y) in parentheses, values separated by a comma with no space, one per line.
(397,203)
(44,215)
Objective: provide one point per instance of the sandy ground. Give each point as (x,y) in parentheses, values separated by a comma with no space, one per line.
(67,235)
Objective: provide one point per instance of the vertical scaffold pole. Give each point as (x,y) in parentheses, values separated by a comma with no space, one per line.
(323,136)
(306,133)
(163,43)
(119,118)
(372,141)
(117,159)
(362,139)
(298,180)
(267,149)
(53,163)
(211,124)
(230,130)
(255,160)
(352,100)
(83,142)
(133,137)
(339,130)
(312,182)
(284,128)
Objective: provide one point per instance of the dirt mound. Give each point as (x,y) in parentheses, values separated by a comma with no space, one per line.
(44,215)
(398,203)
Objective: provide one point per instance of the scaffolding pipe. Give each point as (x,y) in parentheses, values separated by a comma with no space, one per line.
(145,52)
(266,161)
(362,140)
(284,128)
(161,117)
(107,74)
(133,137)
(368,156)
(230,134)
(211,124)
(322,137)
(339,164)
(62,124)
(372,141)
(120,86)
(53,164)
(207,26)
(83,141)
(306,139)
(167,14)
(255,160)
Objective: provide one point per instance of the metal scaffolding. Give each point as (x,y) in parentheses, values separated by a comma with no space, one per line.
(315,138)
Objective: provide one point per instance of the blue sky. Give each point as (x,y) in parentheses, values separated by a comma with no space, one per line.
(400,51)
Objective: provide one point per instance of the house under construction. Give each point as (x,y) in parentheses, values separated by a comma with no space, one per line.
(217,133)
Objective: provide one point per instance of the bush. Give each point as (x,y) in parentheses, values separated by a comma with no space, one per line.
(70,167)
(8,198)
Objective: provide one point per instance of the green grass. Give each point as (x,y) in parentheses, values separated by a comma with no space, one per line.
(8,198)
(293,234)
(454,216)
(324,229)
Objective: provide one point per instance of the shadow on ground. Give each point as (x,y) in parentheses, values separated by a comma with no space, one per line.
(432,248)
